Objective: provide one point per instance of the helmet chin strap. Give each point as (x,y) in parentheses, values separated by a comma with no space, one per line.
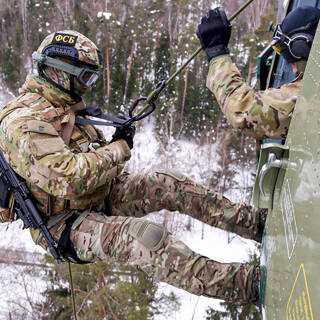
(76,96)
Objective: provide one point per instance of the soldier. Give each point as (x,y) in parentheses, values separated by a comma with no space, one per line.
(267,113)
(94,211)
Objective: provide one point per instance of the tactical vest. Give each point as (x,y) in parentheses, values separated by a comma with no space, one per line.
(79,139)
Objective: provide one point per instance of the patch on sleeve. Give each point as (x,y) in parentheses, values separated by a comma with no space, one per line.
(44,139)
(39,127)
(43,147)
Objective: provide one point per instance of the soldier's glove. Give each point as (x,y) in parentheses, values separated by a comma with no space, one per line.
(214,33)
(126,133)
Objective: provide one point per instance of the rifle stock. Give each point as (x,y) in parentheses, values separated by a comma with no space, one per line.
(24,207)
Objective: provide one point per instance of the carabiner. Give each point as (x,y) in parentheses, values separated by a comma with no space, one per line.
(151,106)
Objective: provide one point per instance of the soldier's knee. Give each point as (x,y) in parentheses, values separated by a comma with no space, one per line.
(149,234)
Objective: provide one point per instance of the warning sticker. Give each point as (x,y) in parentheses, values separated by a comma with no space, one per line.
(289,220)
(299,304)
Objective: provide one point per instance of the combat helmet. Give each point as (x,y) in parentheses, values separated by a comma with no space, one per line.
(293,38)
(70,61)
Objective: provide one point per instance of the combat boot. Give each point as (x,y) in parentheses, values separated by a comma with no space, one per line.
(261,223)
(236,283)
(254,286)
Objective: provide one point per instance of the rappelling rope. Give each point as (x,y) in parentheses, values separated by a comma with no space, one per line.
(149,100)
(73,295)
(153,96)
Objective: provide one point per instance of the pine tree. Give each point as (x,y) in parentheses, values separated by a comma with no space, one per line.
(233,312)
(104,290)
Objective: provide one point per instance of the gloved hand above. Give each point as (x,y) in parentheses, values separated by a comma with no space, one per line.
(214,33)
(126,133)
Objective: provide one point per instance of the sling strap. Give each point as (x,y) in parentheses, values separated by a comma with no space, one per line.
(110,120)
(65,245)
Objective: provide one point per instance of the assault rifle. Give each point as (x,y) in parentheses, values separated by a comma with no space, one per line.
(23,206)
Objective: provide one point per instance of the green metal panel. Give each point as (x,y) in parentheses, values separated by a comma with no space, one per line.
(291,246)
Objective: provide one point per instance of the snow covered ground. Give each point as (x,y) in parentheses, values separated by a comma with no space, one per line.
(213,243)
(184,156)
(197,162)
(20,286)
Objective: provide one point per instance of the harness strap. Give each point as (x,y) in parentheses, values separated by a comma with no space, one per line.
(68,128)
(110,120)
(65,245)
(82,122)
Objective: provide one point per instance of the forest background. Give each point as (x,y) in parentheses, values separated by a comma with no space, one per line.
(142,42)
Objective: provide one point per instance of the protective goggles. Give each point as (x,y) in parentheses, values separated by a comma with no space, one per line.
(282,42)
(86,76)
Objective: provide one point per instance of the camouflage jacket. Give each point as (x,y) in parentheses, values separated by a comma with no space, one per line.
(265,113)
(65,166)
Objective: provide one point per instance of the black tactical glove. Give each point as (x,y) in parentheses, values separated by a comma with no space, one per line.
(126,133)
(214,33)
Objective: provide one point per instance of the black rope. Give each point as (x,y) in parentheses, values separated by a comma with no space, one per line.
(110,120)
(73,295)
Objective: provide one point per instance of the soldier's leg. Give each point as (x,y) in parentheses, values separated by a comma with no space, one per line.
(139,242)
(140,194)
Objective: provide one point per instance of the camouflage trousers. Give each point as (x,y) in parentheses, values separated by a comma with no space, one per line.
(126,237)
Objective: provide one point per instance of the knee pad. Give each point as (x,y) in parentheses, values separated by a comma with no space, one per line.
(149,234)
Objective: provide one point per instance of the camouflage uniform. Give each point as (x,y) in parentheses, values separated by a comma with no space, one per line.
(75,175)
(265,113)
